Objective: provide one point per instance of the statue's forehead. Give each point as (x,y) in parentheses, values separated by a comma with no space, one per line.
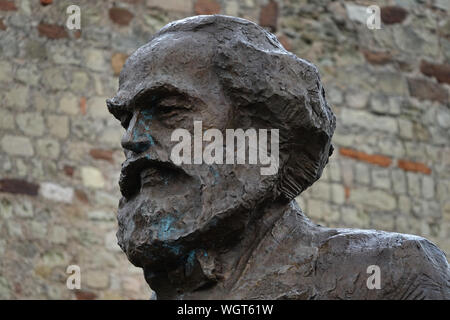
(181,60)
(169,53)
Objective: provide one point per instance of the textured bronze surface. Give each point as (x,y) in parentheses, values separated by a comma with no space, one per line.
(225,231)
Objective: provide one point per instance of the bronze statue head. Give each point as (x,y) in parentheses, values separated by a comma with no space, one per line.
(228,73)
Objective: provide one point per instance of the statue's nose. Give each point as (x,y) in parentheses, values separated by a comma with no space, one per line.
(136,146)
(135,138)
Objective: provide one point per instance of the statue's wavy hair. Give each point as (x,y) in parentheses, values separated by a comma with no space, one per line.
(270,87)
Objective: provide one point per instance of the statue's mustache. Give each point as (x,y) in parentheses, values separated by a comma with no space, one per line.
(130,175)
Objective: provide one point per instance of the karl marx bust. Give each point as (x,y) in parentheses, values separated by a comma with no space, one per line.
(215,230)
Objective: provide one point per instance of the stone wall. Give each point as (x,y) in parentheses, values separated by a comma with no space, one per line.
(60,153)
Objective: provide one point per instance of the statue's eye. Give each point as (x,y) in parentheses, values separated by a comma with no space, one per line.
(166,110)
(125,118)
(170,106)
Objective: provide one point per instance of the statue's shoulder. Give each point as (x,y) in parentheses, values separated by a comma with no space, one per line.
(408,266)
(302,260)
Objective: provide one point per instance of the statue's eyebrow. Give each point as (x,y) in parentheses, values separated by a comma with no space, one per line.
(159,94)
(156,94)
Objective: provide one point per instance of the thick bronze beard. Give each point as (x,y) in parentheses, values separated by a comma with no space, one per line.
(151,227)
(158,232)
